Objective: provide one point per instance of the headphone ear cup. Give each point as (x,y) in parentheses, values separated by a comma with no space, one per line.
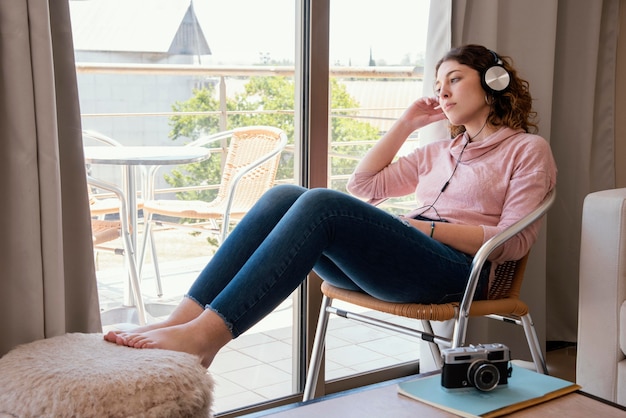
(496,79)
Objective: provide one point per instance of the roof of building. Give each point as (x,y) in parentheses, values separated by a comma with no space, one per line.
(136,26)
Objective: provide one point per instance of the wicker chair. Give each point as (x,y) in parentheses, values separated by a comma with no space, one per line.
(104,231)
(249,171)
(503,303)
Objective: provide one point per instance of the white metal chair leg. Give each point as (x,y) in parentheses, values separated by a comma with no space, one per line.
(318,350)
(135,281)
(433,346)
(533,344)
(148,235)
(155,263)
(531,338)
(144,243)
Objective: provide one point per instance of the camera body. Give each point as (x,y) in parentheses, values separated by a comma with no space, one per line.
(483,366)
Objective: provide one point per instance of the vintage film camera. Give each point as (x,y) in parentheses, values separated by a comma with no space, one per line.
(483,366)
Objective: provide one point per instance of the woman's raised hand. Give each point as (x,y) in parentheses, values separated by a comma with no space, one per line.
(422,112)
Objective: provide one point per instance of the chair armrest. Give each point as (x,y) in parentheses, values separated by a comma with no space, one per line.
(100,184)
(233,186)
(488,247)
(97,136)
(204,140)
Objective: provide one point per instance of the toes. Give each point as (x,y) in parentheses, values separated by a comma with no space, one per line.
(112,336)
(121,340)
(129,339)
(137,341)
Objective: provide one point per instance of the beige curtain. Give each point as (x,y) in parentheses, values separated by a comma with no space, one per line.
(567,51)
(47,278)
(583,140)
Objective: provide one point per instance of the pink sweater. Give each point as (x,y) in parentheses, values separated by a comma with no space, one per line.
(497,181)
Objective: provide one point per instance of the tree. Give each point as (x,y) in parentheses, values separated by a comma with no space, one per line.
(265,101)
(191,126)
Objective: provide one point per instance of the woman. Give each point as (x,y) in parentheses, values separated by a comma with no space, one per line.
(491,173)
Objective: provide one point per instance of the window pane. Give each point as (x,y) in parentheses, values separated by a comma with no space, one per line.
(376,58)
(165,75)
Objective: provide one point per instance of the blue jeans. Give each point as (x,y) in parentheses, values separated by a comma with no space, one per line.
(349,243)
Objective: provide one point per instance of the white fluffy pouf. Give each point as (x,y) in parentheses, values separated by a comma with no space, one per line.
(81,375)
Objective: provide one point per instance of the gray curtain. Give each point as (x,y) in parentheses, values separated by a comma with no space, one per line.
(47,277)
(567,52)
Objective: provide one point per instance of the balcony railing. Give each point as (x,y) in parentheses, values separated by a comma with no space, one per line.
(374,112)
(223,72)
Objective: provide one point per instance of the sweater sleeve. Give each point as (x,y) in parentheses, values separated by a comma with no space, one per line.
(397,179)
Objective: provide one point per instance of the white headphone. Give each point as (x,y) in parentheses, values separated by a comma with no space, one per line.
(496,78)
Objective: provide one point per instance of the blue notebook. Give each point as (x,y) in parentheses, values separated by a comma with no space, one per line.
(525,388)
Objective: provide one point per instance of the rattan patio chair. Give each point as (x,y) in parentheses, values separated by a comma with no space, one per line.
(104,231)
(249,171)
(503,304)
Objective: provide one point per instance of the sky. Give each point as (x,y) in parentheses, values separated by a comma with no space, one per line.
(241,31)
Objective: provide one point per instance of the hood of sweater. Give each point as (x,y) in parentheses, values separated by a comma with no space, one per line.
(466,151)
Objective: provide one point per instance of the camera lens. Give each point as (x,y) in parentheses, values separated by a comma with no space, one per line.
(483,375)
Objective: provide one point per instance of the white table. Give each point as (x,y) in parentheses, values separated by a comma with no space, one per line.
(129,158)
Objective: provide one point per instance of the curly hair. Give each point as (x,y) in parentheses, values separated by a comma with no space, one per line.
(511,107)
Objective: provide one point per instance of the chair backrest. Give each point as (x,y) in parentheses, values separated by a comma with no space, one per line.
(251,165)
(508,278)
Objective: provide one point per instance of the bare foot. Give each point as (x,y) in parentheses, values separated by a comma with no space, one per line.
(119,336)
(186,311)
(202,337)
(176,338)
